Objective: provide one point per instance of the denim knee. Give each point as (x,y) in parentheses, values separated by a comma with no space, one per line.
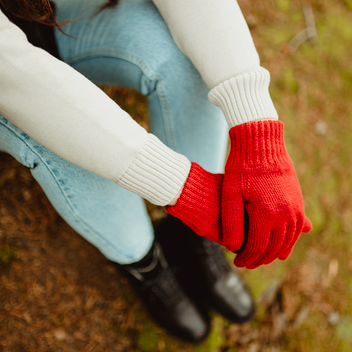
(18,144)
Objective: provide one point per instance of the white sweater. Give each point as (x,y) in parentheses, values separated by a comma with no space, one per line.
(66,113)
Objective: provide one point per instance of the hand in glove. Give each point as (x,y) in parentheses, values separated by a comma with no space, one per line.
(198,206)
(260,178)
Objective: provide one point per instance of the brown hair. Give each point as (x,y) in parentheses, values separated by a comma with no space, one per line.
(40,10)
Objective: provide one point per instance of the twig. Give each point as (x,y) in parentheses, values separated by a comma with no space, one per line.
(309,33)
(310,24)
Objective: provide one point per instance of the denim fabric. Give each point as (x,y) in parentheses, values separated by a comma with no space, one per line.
(130,46)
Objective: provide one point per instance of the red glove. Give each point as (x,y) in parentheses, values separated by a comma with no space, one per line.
(260,177)
(198,206)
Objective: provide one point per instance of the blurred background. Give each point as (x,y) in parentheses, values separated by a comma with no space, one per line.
(58,293)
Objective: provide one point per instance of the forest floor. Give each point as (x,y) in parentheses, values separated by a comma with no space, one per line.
(58,293)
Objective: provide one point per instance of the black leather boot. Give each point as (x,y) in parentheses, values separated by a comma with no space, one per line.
(205,271)
(164,298)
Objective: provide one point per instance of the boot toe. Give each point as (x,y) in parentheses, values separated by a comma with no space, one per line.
(195,326)
(232,299)
(185,322)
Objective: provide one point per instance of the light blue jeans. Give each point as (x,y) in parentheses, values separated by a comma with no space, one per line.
(130,46)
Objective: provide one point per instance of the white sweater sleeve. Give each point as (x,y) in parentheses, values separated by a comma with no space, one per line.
(216,38)
(66,113)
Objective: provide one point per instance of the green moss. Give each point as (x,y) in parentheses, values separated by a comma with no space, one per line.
(278,38)
(283,5)
(312,101)
(335,37)
(148,341)
(7,254)
(297,17)
(274,91)
(230,256)
(316,214)
(289,81)
(141,316)
(343,330)
(214,341)
(130,297)
(171,343)
(346,75)
(348,3)
(340,24)
(261,278)
(336,226)
(345,346)
(348,308)
(331,184)
(258,281)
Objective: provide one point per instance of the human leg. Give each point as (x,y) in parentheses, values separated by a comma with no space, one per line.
(131,46)
(108,216)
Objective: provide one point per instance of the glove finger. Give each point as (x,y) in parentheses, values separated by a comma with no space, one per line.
(277,238)
(258,240)
(233,221)
(284,254)
(293,239)
(287,233)
(307,226)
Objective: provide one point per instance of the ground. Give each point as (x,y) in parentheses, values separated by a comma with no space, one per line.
(58,293)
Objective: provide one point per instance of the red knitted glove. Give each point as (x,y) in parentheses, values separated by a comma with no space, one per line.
(259,175)
(198,206)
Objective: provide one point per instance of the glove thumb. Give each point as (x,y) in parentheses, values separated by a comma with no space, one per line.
(233,221)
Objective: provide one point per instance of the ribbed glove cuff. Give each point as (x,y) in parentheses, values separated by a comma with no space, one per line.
(245,98)
(199,200)
(257,144)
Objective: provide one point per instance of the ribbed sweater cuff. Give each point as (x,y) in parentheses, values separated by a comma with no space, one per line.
(245,98)
(259,143)
(157,174)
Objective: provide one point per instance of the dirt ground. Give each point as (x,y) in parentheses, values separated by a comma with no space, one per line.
(58,293)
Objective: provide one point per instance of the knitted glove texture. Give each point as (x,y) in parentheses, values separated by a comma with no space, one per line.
(198,206)
(260,177)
